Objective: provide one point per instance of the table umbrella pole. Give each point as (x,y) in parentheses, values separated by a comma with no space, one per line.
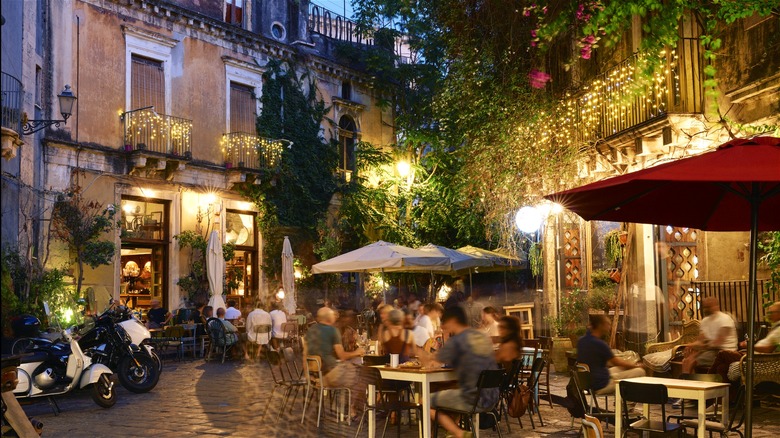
(754,203)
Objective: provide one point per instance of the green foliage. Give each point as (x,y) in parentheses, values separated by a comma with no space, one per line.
(771,247)
(603,292)
(601,278)
(612,246)
(196,283)
(572,318)
(536,259)
(80,224)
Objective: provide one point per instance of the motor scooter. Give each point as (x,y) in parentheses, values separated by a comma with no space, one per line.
(61,367)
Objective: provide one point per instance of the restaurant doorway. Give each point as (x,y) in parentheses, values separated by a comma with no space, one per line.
(144,253)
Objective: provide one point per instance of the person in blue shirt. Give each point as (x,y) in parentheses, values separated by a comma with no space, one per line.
(605,368)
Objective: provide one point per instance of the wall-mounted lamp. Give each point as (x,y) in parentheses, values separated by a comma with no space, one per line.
(67,100)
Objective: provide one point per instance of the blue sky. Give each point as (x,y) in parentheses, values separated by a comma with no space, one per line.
(336,6)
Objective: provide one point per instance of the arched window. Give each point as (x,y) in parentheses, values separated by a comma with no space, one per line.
(347,138)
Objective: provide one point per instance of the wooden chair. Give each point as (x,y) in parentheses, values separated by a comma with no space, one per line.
(592,427)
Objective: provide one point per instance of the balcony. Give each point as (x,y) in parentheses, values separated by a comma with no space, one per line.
(11,116)
(146,130)
(251,152)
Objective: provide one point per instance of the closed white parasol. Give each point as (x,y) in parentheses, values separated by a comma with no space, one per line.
(288,277)
(215,270)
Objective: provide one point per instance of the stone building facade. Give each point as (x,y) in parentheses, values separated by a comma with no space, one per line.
(163,127)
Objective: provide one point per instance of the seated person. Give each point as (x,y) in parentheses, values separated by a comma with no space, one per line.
(511,346)
(324,340)
(396,339)
(490,321)
(206,313)
(596,354)
(278,317)
(231,334)
(717,332)
(157,316)
(232,314)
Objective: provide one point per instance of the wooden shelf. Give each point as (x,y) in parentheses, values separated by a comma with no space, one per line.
(136,301)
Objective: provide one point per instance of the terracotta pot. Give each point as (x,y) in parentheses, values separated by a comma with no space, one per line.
(615,276)
(623,237)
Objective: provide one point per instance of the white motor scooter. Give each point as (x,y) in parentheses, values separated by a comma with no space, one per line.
(59,368)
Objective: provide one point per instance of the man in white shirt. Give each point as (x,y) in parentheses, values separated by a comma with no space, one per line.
(430,318)
(231,313)
(413,304)
(278,317)
(258,317)
(717,332)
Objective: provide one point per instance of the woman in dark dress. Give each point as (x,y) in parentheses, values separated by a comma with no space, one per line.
(511,346)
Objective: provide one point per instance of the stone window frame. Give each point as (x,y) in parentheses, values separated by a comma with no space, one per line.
(153,46)
(245,74)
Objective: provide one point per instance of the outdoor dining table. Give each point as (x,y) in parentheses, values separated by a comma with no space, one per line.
(422,376)
(678,388)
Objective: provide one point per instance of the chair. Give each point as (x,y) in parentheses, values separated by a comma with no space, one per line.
(700,378)
(507,390)
(649,394)
(372,376)
(315,382)
(488,379)
(717,426)
(592,427)
(544,344)
(174,336)
(290,334)
(258,344)
(218,339)
(276,364)
(582,383)
(533,383)
(190,340)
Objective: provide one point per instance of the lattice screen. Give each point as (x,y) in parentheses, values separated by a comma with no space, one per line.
(681,269)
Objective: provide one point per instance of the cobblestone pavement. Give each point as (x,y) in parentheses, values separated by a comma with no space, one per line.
(202,399)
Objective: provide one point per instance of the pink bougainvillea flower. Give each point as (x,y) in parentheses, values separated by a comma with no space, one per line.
(533,33)
(590,39)
(526,12)
(538,79)
(585,52)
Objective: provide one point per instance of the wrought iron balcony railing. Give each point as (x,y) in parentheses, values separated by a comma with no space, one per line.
(250,151)
(160,133)
(11,101)
(332,25)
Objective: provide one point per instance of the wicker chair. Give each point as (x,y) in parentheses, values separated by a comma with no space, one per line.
(766,368)
(689,334)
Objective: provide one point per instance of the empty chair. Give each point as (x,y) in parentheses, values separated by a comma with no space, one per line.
(173,335)
(287,383)
(592,427)
(290,334)
(533,383)
(372,376)
(649,394)
(586,396)
(488,379)
(507,390)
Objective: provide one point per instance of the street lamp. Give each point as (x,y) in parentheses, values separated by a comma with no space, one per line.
(67,100)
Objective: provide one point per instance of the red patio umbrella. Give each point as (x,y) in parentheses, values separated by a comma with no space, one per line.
(735,187)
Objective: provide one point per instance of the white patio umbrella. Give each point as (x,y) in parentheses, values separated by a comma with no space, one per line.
(459,261)
(502,261)
(288,277)
(215,271)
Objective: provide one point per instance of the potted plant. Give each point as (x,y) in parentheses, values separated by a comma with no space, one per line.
(568,326)
(603,292)
(613,249)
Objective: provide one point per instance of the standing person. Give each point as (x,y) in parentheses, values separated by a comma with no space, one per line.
(255,318)
(324,340)
(594,352)
(278,317)
(469,352)
(511,344)
(158,316)
(473,311)
(396,339)
(413,304)
(717,332)
(489,321)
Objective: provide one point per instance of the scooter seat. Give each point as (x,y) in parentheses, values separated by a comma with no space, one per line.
(36,356)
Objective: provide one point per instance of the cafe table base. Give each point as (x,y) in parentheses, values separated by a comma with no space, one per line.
(684,389)
(423,377)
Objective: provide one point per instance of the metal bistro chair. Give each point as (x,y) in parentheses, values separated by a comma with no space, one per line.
(277,364)
(189,341)
(649,394)
(581,378)
(507,390)
(257,345)
(372,376)
(218,338)
(174,338)
(290,334)
(533,383)
(315,382)
(488,379)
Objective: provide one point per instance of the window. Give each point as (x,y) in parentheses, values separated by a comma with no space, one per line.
(240,231)
(147,84)
(347,137)
(234,12)
(346,90)
(243,108)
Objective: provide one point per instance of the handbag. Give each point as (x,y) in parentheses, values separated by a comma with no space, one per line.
(519,402)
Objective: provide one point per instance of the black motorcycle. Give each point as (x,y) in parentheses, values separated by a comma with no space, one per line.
(108,343)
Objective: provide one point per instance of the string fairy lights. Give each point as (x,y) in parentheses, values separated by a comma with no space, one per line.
(146,129)
(253,151)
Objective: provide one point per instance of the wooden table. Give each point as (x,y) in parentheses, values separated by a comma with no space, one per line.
(424,377)
(685,389)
